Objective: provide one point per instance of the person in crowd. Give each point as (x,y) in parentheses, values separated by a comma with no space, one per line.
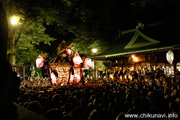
(112,100)
(36,107)
(9,89)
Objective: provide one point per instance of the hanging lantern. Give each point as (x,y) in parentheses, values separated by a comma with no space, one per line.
(39,61)
(88,62)
(68,51)
(170,56)
(77,59)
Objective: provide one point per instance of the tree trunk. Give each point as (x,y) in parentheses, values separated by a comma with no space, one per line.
(12,59)
(3,33)
(12,55)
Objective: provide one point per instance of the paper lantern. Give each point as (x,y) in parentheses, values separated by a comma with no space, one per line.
(39,61)
(77,59)
(170,56)
(68,51)
(88,62)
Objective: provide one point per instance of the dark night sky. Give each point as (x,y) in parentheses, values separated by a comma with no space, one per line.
(120,16)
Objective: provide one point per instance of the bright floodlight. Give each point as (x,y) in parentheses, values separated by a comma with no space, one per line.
(94,50)
(14,20)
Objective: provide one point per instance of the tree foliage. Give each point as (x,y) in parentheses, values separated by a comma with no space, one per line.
(29,31)
(86,23)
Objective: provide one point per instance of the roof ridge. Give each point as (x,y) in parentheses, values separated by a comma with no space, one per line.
(135,37)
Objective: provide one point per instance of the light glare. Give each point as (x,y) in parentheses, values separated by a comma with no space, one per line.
(14,20)
(94,50)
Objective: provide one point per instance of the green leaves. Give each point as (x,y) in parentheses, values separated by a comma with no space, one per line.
(31,30)
(86,23)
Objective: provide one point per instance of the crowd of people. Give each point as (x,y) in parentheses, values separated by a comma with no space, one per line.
(109,101)
(102,100)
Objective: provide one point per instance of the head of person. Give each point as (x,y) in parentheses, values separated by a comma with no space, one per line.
(9,83)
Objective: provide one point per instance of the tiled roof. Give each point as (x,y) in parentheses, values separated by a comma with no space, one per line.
(163,36)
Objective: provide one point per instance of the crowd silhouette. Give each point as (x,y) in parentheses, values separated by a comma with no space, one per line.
(109,101)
